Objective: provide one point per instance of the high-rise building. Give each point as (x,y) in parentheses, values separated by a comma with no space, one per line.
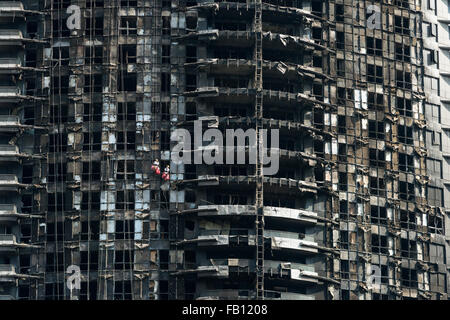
(93,93)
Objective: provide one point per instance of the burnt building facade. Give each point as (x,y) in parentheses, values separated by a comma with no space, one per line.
(92,93)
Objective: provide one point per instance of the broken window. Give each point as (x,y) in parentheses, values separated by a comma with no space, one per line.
(127,81)
(406,191)
(405,134)
(125,200)
(342,181)
(408,220)
(404,107)
(128,26)
(92,112)
(435,224)
(374,73)
(122,289)
(376,129)
(92,141)
(402,52)
(94,26)
(378,215)
(401,25)
(374,46)
(403,79)
(377,158)
(409,278)
(127,53)
(126,140)
(375,101)
(124,229)
(377,186)
(340,40)
(61,56)
(93,83)
(91,171)
(125,170)
(127,111)
(379,244)
(405,162)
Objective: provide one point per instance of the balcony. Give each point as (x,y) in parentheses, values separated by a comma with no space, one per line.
(9,182)
(7,272)
(8,213)
(11,9)
(9,123)
(11,38)
(9,65)
(10,94)
(9,153)
(8,242)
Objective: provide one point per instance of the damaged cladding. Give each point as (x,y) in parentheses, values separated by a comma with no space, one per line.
(364,148)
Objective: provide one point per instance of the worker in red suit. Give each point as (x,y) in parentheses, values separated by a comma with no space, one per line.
(155,167)
(166,174)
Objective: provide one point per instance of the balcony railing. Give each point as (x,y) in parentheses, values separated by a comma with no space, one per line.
(7,238)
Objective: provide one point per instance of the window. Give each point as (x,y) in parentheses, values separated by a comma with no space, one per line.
(379,244)
(406,191)
(434,167)
(92,141)
(374,73)
(124,229)
(376,129)
(406,162)
(92,112)
(374,46)
(431,57)
(340,69)
(433,113)
(433,138)
(435,196)
(126,111)
(435,224)
(375,101)
(125,200)
(127,53)
(377,186)
(125,170)
(408,220)
(408,248)
(402,52)
(127,81)
(377,158)
(91,171)
(401,25)
(409,278)
(342,181)
(431,85)
(378,215)
(405,134)
(94,26)
(93,55)
(340,40)
(126,140)
(404,107)
(339,13)
(128,26)
(403,79)
(93,83)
